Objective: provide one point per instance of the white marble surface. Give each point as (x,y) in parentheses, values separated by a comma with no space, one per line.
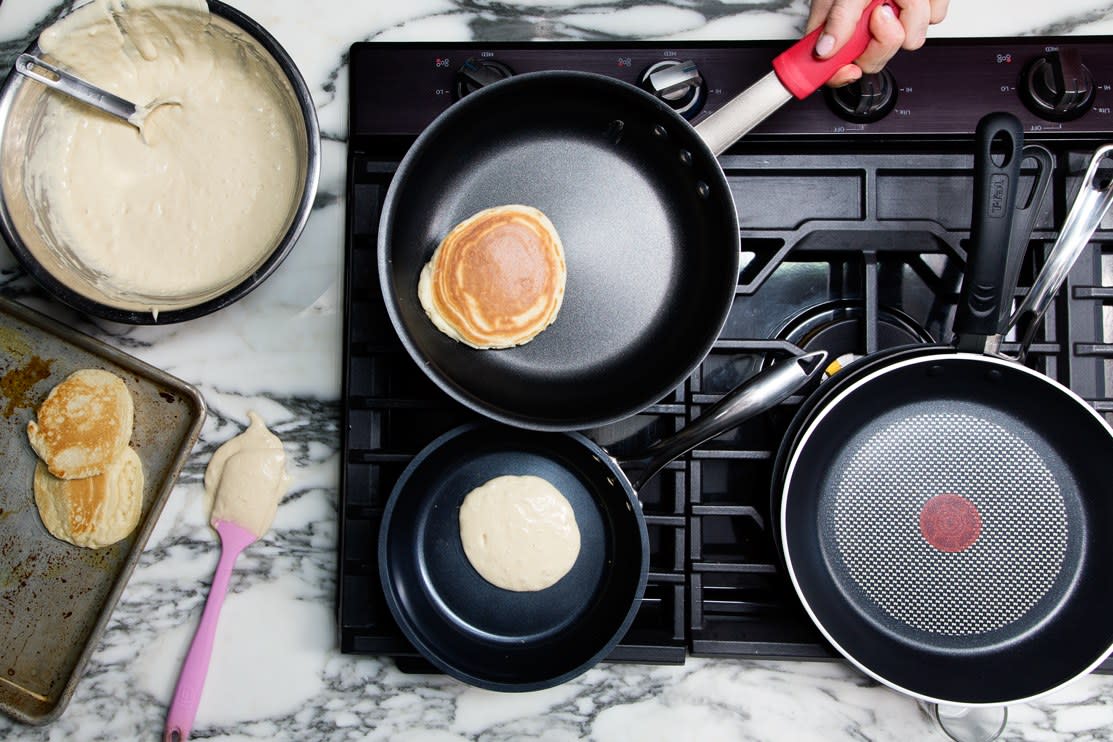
(277,673)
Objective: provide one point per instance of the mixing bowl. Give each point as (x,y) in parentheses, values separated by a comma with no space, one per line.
(45,256)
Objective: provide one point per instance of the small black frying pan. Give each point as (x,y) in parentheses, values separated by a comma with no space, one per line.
(643,209)
(946,516)
(518,641)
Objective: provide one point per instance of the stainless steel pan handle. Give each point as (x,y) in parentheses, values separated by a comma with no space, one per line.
(754,396)
(1089,208)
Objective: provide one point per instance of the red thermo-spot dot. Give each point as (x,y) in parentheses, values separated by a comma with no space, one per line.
(950,523)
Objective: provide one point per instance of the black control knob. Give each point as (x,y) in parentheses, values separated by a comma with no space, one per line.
(679,84)
(477,73)
(1058,86)
(867,99)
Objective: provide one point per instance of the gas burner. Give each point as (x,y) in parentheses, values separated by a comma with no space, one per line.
(843,329)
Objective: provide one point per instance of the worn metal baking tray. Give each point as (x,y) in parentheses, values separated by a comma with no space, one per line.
(55,599)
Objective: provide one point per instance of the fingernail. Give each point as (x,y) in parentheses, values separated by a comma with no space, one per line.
(887,11)
(825,44)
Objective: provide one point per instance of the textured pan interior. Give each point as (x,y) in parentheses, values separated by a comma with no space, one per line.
(1019,495)
(1032,591)
(55,599)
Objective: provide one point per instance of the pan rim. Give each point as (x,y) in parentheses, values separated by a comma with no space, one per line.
(408,627)
(446,119)
(786,550)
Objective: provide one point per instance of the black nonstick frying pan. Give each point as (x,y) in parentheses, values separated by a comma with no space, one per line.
(946,516)
(518,641)
(643,209)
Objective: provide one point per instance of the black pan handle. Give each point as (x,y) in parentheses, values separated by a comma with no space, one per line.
(995,188)
(752,397)
(1024,223)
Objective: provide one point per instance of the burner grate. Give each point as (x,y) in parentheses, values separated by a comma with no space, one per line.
(392,411)
(862,247)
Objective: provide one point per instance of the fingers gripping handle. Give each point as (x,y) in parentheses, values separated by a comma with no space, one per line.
(796,72)
(802,73)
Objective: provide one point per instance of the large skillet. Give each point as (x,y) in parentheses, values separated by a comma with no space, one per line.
(644,211)
(946,516)
(512,641)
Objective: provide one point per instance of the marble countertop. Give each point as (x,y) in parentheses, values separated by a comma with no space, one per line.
(277,672)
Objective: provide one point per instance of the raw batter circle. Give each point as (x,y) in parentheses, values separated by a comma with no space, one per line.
(519,533)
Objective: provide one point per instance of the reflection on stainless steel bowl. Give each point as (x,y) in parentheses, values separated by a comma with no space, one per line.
(188,216)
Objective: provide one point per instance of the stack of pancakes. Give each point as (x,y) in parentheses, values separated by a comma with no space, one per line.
(88,483)
(497,279)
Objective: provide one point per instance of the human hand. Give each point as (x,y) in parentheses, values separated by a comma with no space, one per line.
(839,17)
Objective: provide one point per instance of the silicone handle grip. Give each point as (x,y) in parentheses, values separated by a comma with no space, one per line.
(995,188)
(191,681)
(802,73)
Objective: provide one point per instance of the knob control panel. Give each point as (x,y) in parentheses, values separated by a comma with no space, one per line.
(869,98)
(679,84)
(477,73)
(1058,86)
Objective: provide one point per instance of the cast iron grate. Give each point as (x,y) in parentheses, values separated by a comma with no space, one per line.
(858,266)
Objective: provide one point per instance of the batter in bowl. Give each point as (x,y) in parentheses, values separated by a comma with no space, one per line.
(199,199)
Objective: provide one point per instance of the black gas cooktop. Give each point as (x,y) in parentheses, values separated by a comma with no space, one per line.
(854,210)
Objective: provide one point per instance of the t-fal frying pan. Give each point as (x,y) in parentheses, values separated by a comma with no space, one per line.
(946,517)
(643,209)
(517,641)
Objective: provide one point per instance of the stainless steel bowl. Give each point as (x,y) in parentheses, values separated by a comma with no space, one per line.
(49,260)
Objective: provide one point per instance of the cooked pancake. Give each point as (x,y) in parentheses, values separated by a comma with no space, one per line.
(497,279)
(84,424)
(93,511)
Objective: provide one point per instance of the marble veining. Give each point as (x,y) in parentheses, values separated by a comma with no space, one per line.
(277,673)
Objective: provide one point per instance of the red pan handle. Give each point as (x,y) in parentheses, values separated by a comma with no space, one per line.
(796,72)
(802,73)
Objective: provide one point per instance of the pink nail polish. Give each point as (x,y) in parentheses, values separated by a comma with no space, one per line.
(887,10)
(825,44)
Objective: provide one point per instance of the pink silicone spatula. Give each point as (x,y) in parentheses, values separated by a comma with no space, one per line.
(247,476)
(187,696)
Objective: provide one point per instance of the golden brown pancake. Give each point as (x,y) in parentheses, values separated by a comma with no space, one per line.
(497,279)
(92,511)
(84,424)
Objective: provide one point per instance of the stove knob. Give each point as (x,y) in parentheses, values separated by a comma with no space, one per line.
(679,84)
(867,99)
(1057,86)
(477,73)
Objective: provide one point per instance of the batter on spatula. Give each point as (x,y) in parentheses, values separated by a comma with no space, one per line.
(246,479)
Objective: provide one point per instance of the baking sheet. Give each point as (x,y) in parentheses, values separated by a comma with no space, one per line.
(55,598)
